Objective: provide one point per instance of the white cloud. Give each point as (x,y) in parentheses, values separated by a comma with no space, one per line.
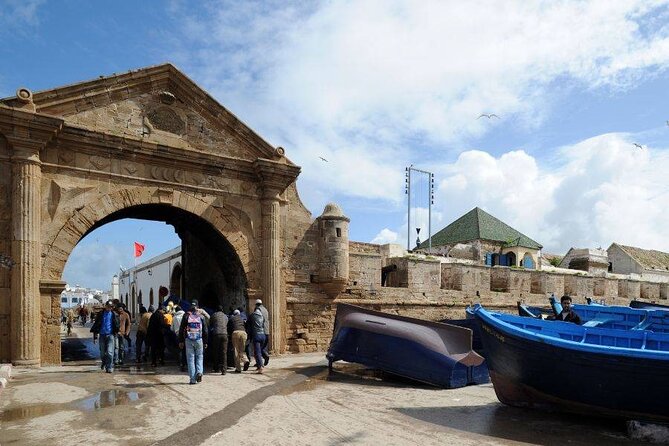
(385,236)
(364,82)
(17,13)
(375,85)
(601,190)
(93,264)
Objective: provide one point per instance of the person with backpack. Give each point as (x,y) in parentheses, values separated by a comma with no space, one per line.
(193,337)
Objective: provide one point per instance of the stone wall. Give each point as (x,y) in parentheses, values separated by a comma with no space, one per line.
(605,287)
(310,316)
(544,283)
(5,247)
(50,326)
(650,290)
(415,273)
(629,288)
(468,278)
(510,280)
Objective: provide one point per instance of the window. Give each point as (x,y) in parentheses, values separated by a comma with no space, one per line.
(75,300)
(63,300)
(338,232)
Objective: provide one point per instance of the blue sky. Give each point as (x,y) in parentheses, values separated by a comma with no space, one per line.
(374,86)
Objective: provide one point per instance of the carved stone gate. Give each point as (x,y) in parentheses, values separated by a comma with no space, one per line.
(145,144)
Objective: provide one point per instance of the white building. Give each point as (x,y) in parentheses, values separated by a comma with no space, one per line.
(141,284)
(640,264)
(78,296)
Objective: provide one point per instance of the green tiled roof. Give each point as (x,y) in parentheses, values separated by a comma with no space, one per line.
(479,225)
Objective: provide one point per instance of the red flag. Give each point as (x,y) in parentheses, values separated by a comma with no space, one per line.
(139,249)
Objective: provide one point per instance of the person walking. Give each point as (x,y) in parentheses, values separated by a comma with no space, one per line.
(257,329)
(140,337)
(218,325)
(155,338)
(123,332)
(70,321)
(106,326)
(176,324)
(193,337)
(265,315)
(238,337)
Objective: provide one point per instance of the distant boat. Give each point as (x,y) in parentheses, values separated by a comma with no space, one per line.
(619,317)
(430,352)
(648,305)
(564,366)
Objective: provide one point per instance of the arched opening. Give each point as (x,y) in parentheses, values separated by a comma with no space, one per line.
(175,281)
(528,261)
(511,259)
(209,268)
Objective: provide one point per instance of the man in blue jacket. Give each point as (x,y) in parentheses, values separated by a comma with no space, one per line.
(106,326)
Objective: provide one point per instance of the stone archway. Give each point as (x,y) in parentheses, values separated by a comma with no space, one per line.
(73,156)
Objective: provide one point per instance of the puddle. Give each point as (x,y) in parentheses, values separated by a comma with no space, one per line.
(100,400)
(32,411)
(308,384)
(106,398)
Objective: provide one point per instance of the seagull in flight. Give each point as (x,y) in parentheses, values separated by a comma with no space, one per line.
(489,116)
(638,145)
(323,159)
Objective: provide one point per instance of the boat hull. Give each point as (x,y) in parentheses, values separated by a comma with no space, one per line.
(407,347)
(528,373)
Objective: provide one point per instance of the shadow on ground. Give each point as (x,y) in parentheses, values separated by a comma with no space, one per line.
(523,425)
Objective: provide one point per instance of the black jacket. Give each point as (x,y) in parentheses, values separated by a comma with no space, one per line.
(236,323)
(218,324)
(569,316)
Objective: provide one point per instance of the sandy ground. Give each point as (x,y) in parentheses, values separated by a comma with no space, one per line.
(296,402)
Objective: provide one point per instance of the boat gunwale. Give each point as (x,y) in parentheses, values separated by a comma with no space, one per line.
(524,333)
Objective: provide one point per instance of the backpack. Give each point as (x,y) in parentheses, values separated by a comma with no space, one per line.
(194,327)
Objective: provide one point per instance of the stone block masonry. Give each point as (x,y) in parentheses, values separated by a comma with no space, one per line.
(310,315)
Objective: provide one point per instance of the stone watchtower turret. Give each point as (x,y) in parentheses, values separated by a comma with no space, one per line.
(333,250)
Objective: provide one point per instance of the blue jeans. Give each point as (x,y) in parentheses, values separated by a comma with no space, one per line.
(107,351)
(194,354)
(259,341)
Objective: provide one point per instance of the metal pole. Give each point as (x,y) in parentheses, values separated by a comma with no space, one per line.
(429,215)
(409,213)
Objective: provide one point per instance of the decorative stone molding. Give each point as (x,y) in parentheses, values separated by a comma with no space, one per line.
(275,176)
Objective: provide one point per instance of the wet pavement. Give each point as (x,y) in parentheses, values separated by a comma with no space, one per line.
(296,402)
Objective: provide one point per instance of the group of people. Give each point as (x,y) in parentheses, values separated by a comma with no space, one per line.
(69,317)
(187,334)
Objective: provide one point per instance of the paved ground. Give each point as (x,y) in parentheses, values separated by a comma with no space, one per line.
(294,403)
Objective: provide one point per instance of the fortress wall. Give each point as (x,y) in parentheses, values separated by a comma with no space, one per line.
(428,290)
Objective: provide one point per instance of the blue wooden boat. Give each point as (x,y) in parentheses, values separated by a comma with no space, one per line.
(474,326)
(563,366)
(430,352)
